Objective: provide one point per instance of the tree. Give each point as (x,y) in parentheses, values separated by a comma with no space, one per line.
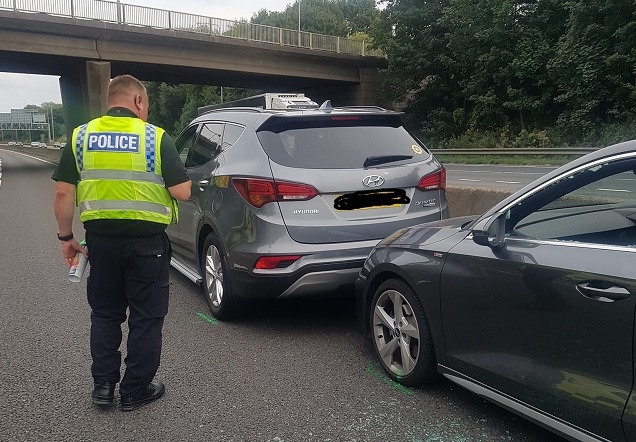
(531,92)
(421,69)
(58,128)
(330,17)
(510,66)
(172,107)
(594,67)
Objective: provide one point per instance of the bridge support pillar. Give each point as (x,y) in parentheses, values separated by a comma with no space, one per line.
(364,93)
(84,90)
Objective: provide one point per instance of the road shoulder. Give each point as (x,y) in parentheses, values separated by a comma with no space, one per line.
(52,155)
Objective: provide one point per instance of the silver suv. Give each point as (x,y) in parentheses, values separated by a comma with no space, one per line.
(289,202)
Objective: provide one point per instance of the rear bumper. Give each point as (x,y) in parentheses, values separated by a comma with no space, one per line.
(316,280)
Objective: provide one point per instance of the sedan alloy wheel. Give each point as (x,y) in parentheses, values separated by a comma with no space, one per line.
(401,336)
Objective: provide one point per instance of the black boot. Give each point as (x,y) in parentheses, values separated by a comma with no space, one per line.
(103,394)
(151,393)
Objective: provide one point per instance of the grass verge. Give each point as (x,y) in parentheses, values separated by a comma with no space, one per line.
(515,160)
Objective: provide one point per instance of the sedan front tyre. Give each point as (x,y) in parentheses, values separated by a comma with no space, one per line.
(401,335)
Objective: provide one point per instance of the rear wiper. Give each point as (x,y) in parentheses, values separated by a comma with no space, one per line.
(383,159)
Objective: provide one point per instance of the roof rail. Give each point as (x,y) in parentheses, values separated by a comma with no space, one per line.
(325,107)
(267,101)
(209,109)
(376,108)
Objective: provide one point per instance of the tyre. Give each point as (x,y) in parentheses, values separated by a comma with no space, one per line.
(400,334)
(216,284)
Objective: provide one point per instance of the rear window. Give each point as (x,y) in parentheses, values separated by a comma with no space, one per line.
(339,142)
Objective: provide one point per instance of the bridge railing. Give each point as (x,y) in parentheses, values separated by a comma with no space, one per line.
(117,12)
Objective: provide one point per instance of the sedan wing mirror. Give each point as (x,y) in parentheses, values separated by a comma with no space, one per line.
(492,234)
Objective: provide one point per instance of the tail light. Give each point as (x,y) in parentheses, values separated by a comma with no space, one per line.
(275,262)
(259,192)
(434,181)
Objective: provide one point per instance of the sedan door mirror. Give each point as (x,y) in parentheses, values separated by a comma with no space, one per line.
(492,233)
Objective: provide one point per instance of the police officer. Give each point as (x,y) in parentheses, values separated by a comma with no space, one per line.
(125,176)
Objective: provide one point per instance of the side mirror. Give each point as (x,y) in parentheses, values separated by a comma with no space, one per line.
(492,233)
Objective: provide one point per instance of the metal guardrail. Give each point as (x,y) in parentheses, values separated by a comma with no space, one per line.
(516,151)
(117,12)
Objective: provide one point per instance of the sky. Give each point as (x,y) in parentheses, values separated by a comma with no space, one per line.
(18,90)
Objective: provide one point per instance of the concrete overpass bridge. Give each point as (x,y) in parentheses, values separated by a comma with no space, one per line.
(87,42)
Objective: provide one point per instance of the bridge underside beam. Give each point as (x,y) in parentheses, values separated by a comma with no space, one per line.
(178,53)
(87,53)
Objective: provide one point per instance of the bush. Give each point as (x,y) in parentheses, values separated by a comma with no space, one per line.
(617,133)
(472,140)
(499,140)
(528,140)
(535,139)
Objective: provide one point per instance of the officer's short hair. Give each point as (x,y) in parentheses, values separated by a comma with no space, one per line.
(124,85)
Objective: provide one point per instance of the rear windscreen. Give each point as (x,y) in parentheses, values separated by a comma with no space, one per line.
(339,142)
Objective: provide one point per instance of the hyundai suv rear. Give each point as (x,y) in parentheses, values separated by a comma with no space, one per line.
(288,203)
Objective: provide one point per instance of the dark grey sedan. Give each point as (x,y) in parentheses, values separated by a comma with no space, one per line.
(530,305)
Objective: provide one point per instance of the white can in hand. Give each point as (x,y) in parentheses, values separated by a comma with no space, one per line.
(78,266)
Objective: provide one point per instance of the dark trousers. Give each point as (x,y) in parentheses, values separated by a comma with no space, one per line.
(127,273)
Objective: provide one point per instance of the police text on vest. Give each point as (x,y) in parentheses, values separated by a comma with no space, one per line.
(113,142)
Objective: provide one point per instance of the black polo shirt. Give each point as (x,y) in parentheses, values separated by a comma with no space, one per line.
(172,170)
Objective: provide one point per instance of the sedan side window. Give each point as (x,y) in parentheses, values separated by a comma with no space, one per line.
(595,204)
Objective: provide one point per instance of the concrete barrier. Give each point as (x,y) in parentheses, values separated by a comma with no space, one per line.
(473,200)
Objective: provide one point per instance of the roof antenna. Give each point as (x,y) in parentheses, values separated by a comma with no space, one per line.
(326,106)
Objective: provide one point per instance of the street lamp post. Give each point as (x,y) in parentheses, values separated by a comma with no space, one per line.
(299,40)
(49,125)
(52,124)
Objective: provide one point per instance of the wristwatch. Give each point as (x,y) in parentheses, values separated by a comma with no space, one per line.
(65,238)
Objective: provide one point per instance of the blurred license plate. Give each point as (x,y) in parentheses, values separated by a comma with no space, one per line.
(371,199)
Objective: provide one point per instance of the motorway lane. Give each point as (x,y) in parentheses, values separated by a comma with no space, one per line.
(287,371)
(494,176)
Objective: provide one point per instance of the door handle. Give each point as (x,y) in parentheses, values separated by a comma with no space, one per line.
(599,291)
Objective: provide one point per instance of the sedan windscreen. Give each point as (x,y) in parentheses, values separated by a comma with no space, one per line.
(340,142)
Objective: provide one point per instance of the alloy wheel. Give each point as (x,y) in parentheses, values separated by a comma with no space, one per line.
(396,333)
(214,276)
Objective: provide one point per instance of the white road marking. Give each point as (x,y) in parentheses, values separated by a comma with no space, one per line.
(466,179)
(35,158)
(614,190)
(508,182)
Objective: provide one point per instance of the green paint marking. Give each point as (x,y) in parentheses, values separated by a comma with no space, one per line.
(207,319)
(372,369)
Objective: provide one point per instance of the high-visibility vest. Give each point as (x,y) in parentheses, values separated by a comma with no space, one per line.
(119,162)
